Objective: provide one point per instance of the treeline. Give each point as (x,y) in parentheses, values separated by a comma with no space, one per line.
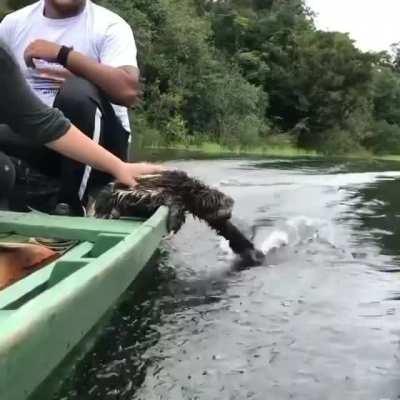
(248,72)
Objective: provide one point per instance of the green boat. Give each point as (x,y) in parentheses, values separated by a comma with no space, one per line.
(46,314)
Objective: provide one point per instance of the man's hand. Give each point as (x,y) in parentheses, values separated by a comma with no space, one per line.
(129,172)
(41,49)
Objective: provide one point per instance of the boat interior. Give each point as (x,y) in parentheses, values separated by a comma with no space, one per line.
(37,251)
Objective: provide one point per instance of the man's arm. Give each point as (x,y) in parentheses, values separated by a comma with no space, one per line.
(116,73)
(74,144)
(42,125)
(121,84)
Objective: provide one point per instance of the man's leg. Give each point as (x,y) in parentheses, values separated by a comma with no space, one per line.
(86,108)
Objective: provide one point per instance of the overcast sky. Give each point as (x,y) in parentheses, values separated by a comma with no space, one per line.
(374,24)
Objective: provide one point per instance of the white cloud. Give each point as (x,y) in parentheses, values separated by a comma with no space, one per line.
(373,24)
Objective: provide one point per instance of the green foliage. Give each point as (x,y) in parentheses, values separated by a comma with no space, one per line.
(339,142)
(385,138)
(221,102)
(3,9)
(317,82)
(145,135)
(386,97)
(190,90)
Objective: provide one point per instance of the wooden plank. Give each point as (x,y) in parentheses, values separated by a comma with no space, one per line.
(74,228)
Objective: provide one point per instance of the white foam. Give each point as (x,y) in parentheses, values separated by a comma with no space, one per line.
(275,240)
(225,249)
(295,231)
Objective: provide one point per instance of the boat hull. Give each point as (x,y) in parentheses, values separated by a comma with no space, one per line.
(37,331)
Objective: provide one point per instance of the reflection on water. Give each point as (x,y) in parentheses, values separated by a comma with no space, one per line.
(319,321)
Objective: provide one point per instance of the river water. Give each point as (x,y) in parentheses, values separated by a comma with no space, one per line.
(320,320)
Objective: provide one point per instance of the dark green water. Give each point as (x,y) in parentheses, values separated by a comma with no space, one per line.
(320,321)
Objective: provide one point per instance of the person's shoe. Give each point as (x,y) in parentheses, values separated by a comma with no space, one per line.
(65,210)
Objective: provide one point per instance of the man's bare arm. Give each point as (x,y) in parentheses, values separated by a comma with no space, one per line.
(120,84)
(74,144)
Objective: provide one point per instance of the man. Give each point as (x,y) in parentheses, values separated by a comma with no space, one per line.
(41,125)
(81,59)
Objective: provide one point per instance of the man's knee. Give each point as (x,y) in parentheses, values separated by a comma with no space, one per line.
(78,99)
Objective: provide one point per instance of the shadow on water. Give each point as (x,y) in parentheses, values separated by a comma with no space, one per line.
(320,321)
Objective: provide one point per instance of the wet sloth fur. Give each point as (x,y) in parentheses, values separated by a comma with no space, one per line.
(182,194)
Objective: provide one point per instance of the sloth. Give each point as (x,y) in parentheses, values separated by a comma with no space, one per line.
(182,194)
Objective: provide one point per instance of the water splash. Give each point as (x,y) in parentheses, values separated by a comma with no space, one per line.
(277,239)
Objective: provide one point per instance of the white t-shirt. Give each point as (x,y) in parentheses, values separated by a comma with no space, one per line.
(95,32)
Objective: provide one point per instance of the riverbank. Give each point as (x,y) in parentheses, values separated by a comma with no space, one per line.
(213,149)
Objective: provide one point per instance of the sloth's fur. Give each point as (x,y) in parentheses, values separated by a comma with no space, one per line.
(182,194)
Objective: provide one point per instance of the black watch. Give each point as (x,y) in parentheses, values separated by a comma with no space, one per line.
(62,56)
